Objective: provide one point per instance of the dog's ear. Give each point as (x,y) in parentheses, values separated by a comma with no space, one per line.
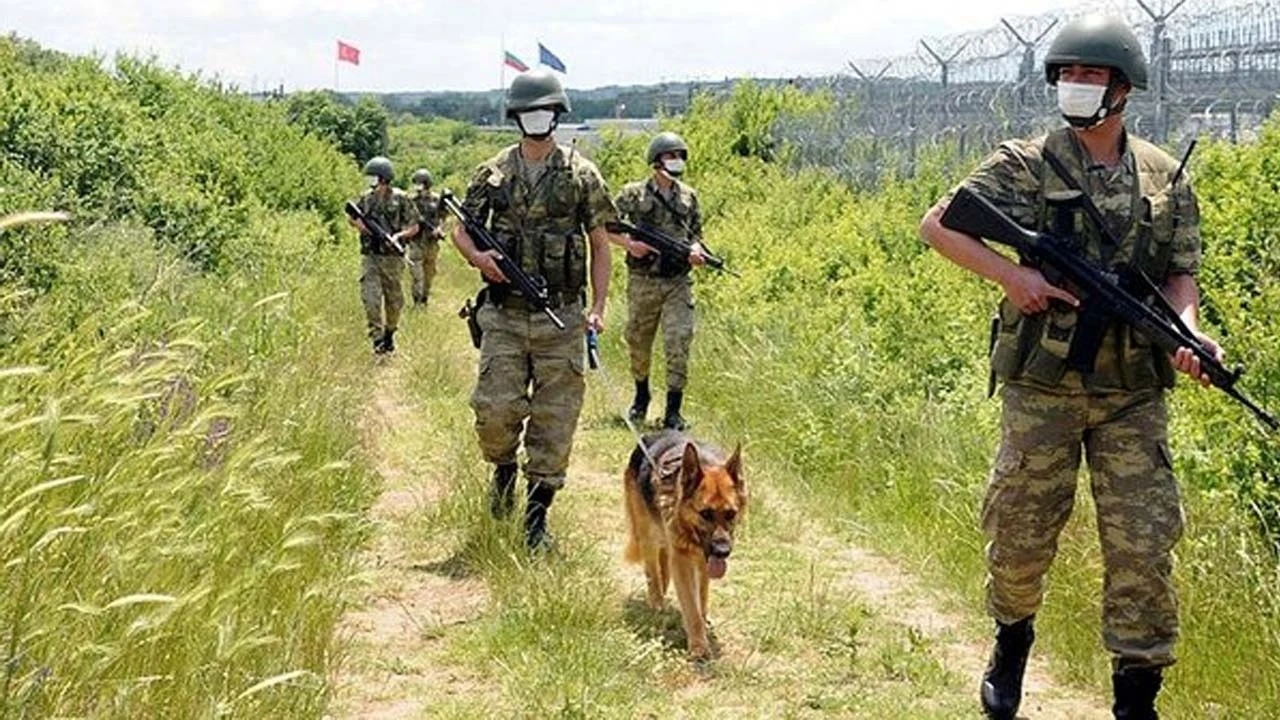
(733,466)
(690,470)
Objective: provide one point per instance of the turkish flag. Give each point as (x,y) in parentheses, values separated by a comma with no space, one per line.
(348,53)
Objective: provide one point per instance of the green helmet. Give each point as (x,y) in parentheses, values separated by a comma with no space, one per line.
(1097,40)
(536,89)
(422,176)
(379,166)
(665,142)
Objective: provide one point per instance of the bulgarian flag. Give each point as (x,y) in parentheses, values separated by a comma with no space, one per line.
(511,60)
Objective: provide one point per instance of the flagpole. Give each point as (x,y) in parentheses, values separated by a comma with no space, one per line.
(502,82)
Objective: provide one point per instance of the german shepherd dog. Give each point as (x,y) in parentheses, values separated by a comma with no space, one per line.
(683,500)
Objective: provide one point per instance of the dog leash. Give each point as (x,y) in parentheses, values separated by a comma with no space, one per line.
(593,360)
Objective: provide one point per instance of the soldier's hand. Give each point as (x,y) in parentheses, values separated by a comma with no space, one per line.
(635,248)
(595,321)
(696,256)
(1031,293)
(487,263)
(1188,362)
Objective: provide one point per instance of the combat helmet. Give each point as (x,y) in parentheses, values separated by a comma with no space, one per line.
(422,176)
(665,142)
(536,89)
(1097,40)
(379,166)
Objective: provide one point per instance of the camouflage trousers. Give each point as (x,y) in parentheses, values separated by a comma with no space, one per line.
(530,383)
(422,267)
(1030,497)
(380,290)
(669,301)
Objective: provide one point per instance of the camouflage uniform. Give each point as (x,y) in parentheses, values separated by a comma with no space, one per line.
(381,268)
(424,249)
(660,288)
(1116,413)
(531,373)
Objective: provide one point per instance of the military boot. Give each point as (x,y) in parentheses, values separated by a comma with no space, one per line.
(389,341)
(671,418)
(640,406)
(502,495)
(1002,682)
(1135,692)
(536,536)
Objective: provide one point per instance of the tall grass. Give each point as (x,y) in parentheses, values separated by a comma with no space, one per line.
(181,496)
(855,357)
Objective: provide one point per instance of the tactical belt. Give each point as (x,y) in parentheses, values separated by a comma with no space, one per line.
(516,301)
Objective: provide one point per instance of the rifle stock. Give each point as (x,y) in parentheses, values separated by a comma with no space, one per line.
(974,215)
(532,288)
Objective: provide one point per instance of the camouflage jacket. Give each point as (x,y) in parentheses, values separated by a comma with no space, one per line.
(679,216)
(428,207)
(1158,228)
(543,222)
(394,210)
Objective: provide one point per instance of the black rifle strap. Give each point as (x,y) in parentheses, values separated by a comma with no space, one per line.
(1111,243)
(680,218)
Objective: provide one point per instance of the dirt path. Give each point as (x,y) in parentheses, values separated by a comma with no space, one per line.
(807,625)
(395,668)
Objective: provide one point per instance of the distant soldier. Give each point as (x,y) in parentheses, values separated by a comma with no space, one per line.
(1079,387)
(548,206)
(382,267)
(423,250)
(659,287)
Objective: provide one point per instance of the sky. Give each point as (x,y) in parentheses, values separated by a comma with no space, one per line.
(433,45)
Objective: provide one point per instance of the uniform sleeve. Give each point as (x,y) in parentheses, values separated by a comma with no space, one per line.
(1185,258)
(695,218)
(477,201)
(1009,180)
(597,208)
(626,204)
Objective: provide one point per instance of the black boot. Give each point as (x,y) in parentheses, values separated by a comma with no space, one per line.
(502,496)
(671,418)
(389,341)
(535,516)
(1002,682)
(1135,690)
(640,406)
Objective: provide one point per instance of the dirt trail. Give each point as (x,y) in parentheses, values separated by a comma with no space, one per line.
(397,666)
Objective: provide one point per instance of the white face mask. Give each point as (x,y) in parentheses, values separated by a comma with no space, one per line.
(372,180)
(673,166)
(536,122)
(1081,104)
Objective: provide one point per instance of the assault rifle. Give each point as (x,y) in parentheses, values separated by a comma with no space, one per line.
(374,228)
(533,288)
(974,215)
(665,244)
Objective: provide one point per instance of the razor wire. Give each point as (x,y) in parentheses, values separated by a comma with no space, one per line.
(1214,70)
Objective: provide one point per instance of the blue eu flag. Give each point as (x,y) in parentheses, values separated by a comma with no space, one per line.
(548,58)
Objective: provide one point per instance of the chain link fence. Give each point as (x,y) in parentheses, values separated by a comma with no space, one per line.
(1214,71)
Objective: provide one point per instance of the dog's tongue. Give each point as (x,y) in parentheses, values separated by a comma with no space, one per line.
(716,567)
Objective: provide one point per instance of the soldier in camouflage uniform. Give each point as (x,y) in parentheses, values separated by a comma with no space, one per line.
(546,204)
(1068,391)
(659,288)
(424,249)
(381,266)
